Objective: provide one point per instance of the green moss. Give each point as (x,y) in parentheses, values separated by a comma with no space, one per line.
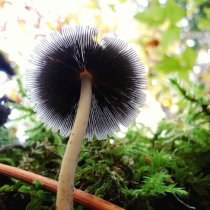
(140,171)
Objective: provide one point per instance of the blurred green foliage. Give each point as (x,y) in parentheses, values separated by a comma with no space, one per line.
(170,26)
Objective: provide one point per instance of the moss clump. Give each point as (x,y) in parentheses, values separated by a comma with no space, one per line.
(165,169)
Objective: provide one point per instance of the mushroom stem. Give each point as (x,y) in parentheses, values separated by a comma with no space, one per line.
(69,163)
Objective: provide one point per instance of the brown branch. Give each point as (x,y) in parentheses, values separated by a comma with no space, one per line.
(80,196)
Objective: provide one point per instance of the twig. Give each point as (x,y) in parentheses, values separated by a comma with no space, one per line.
(80,196)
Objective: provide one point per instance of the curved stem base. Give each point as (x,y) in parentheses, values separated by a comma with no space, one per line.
(69,163)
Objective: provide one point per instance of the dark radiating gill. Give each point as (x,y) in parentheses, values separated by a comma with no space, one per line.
(116,70)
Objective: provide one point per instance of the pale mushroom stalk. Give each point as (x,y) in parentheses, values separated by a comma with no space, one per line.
(69,163)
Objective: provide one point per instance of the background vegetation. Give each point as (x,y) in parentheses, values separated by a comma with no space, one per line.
(161,161)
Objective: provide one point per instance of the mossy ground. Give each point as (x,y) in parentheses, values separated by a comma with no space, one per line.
(165,169)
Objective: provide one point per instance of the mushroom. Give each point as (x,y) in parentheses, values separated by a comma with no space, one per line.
(83,87)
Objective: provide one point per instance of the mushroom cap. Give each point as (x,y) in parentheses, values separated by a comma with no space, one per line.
(53,81)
